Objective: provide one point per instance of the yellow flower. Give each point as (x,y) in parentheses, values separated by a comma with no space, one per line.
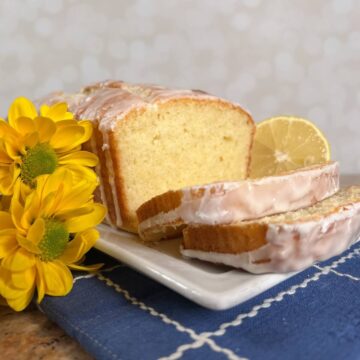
(45,235)
(33,144)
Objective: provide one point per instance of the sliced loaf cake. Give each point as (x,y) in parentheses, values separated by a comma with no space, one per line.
(167,214)
(280,243)
(150,139)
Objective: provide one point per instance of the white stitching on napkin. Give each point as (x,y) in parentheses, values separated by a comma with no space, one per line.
(200,340)
(339,273)
(266,304)
(88,276)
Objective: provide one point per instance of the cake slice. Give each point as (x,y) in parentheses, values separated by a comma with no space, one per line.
(166,215)
(280,243)
(150,139)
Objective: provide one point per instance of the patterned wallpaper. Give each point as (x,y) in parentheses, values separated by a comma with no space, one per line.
(274,57)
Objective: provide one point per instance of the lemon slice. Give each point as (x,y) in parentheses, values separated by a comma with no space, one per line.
(286,143)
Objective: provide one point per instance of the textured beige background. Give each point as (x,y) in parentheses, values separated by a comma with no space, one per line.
(274,57)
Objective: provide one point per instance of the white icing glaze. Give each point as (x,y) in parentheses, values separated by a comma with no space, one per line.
(110,101)
(111,179)
(293,247)
(101,185)
(227,202)
(125,98)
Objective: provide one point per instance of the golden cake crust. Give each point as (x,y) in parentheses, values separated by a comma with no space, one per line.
(225,238)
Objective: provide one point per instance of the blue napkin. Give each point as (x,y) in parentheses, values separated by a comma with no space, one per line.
(121,314)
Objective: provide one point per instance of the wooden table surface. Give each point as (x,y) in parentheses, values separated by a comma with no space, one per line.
(30,335)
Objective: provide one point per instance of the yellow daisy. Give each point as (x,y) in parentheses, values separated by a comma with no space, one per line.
(45,235)
(33,144)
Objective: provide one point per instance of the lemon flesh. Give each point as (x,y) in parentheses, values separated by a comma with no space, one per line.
(286,143)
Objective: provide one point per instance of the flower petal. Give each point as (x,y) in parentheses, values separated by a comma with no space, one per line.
(16,210)
(51,190)
(78,247)
(19,260)
(24,190)
(44,109)
(21,191)
(24,279)
(65,193)
(31,210)
(31,139)
(20,303)
(56,112)
(67,123)
(8,232)
(24,125)
(7,130)
(19,108)
(88,127)
(81,173)
(7,289)
(27,244)
(15,149)
(5,159)
(52,201)
(66,213)
(49,184)
(8,176)
(8,244)
(45,127)
(40,283)
(84,158)
(36,231)
(83,222)
(57,278)
(67,136)
(90,268)
(5,220)
(77,197)
(11,292)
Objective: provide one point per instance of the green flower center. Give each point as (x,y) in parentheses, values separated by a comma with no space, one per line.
(54,241)
(39,160)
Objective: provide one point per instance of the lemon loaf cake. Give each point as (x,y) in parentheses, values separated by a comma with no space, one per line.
(225,202)
(281,243)
(150,139)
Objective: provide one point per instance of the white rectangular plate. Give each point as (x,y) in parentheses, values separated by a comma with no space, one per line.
(212,286)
